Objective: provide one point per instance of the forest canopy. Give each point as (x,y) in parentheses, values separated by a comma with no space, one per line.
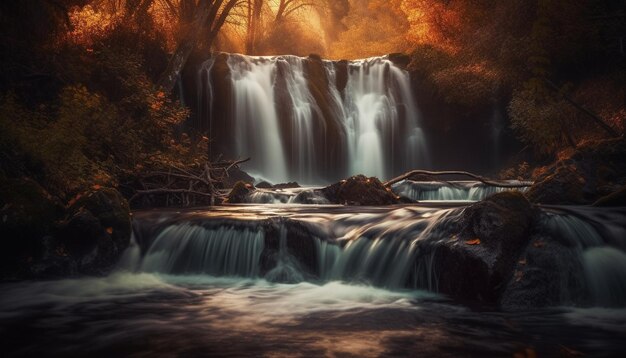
(87,86)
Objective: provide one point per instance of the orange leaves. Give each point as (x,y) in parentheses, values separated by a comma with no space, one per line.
(475,241)
(96,187)
(109,230)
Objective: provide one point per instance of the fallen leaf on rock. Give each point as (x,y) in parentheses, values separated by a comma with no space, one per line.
(110,230)
(473,242)
(96,187)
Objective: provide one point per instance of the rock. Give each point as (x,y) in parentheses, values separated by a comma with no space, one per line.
(476,263)
(239,193)
(111,209)
(27,214)
(81,233)
(399,59)
(264,185)
(564,186)
(548,273)
(360,190)
(617,198)
(97,230)
(290,185)
(590,173)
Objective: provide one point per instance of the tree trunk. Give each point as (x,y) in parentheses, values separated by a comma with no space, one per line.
(206,21)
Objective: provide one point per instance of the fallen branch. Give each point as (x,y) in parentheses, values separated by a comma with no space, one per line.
(500,184)
(184,186)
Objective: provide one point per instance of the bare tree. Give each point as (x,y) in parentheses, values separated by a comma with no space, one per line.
(202,19)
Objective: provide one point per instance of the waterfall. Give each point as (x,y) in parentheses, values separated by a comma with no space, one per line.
(395,248)
(256,118)
(311,120)
(189,248)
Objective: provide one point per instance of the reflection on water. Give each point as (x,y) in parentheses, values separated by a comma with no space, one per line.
(146,314)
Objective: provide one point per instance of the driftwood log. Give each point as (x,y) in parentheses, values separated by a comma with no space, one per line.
(497,183)
(177,186)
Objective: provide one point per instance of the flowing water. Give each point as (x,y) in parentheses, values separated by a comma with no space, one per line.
(299,121)
(316,280)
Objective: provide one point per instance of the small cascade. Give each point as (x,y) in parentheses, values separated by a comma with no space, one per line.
(384,262)
(131,259)
(451,191)
(605,273)
(310,120)
(393,253)
(287,269)
(604,265)
(193,249)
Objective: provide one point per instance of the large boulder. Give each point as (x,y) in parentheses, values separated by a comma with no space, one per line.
(97,230)
(548,273)
(360,190)
(475,263)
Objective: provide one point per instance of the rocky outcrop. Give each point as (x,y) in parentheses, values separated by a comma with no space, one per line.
(475,263)
(360,190)
(595,170)
(41,238)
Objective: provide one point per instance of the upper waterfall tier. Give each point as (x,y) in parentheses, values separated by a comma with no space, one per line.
(309,119)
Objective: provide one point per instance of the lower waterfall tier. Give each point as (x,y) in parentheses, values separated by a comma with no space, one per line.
(511,257)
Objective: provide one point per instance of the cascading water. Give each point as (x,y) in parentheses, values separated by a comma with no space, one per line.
(316,275)
(391,248)
(310,120)
(188,248)
(451,191)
